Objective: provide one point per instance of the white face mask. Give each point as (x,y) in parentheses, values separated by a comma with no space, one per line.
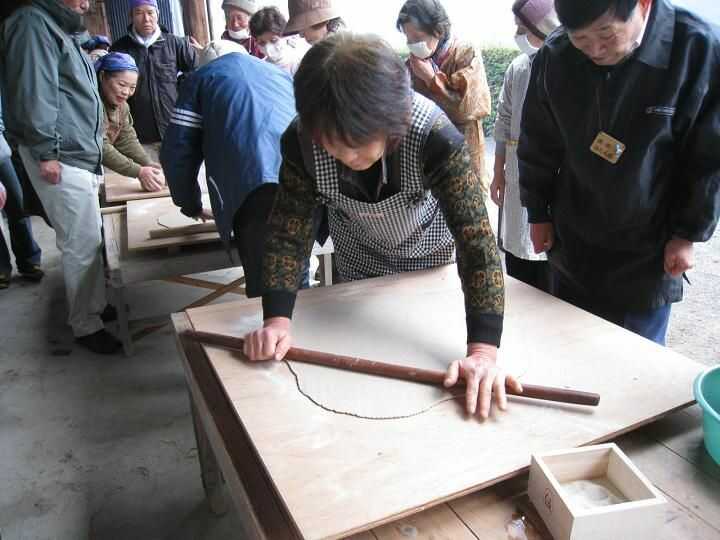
(240,34)
(525,46)
(420,50)
(275,52)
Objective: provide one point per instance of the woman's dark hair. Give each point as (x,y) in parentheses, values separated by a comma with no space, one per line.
(428,15)
(577,14)
(353,87)
(268,19)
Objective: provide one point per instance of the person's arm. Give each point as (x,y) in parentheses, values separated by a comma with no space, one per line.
(694,216)
(187,57)
(465,94)
(540,148)
(181,154)
(32,86)
(459,192)
(541,152)
(288,245)
(503,123)
(128,144)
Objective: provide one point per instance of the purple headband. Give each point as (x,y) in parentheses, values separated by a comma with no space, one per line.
(137,3)
(116,61)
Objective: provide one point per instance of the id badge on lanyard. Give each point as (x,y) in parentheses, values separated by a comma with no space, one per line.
(607,147)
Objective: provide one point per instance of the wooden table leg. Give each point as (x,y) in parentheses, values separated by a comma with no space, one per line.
(123,319)
(212,479)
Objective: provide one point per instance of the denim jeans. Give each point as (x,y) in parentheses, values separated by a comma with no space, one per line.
(24,247)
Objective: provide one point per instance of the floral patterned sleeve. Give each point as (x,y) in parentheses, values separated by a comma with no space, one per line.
(449,174)
(291,235)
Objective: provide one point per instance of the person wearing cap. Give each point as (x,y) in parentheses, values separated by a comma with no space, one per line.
(618,153)
(535,20)
(449,71)
(267,26)
(97,47)
(122,152)
(242,156)
(314,20)
(237,24)
(58,129)
(160,57)
(396,177)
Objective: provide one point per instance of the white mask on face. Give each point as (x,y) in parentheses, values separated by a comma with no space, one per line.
(420,50)
(525,46)
(240,34)
(274,52)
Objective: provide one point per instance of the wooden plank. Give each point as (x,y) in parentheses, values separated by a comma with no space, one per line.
(261,516)
(695,490)
(120,188)
(201,283)
(142,217)
(682,434)
(437,523)
(196,228)
(420,316)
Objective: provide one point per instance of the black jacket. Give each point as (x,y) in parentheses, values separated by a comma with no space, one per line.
(159,66)
(612,221)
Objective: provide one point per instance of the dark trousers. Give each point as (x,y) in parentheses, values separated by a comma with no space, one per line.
(649,323)
(535,273)
(24,247)
(251,228)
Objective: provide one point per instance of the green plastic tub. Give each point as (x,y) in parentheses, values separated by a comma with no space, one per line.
(707,394)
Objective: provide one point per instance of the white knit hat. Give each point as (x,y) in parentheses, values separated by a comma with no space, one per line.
(219,47)
(249,6)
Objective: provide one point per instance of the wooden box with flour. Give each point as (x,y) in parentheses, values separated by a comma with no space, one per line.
(594,493)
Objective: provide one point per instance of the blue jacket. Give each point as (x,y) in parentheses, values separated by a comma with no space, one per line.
(230,113)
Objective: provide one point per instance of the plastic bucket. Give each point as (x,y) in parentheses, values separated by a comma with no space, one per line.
(707,394)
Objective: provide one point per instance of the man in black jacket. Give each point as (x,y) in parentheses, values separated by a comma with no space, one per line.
(160,57)
(620,155)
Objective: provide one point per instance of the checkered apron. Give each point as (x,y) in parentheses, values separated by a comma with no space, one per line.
(403,233)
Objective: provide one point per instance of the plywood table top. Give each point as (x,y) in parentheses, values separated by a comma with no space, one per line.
(337,474)
(142,216)
(119,188)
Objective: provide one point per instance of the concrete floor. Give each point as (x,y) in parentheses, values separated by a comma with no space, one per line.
(102,448)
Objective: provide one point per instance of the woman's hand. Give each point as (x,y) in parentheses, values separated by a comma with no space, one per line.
(205,215)
(497,188)
(483,378)
(542,236)
(271,342)
(422,69)
(151,178)
(679,256)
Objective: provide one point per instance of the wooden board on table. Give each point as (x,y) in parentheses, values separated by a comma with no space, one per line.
(142,217)
(120,188)
(338,475)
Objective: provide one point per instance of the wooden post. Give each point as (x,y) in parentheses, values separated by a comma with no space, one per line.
(195,20)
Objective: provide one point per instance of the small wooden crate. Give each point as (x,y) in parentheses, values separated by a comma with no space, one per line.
(569,519)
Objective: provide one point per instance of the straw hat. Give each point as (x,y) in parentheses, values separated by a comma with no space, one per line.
(307,13)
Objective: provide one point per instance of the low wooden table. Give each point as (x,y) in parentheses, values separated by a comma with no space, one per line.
(121,189)
(124,267)
(232,449)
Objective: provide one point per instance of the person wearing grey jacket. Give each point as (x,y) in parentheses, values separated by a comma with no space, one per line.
(27,252)
(56,119)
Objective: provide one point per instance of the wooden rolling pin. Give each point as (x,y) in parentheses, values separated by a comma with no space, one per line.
(394,371)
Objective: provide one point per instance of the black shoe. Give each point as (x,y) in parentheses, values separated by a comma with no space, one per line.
(4,280)
(101,342)
(109,314)
(32,272)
